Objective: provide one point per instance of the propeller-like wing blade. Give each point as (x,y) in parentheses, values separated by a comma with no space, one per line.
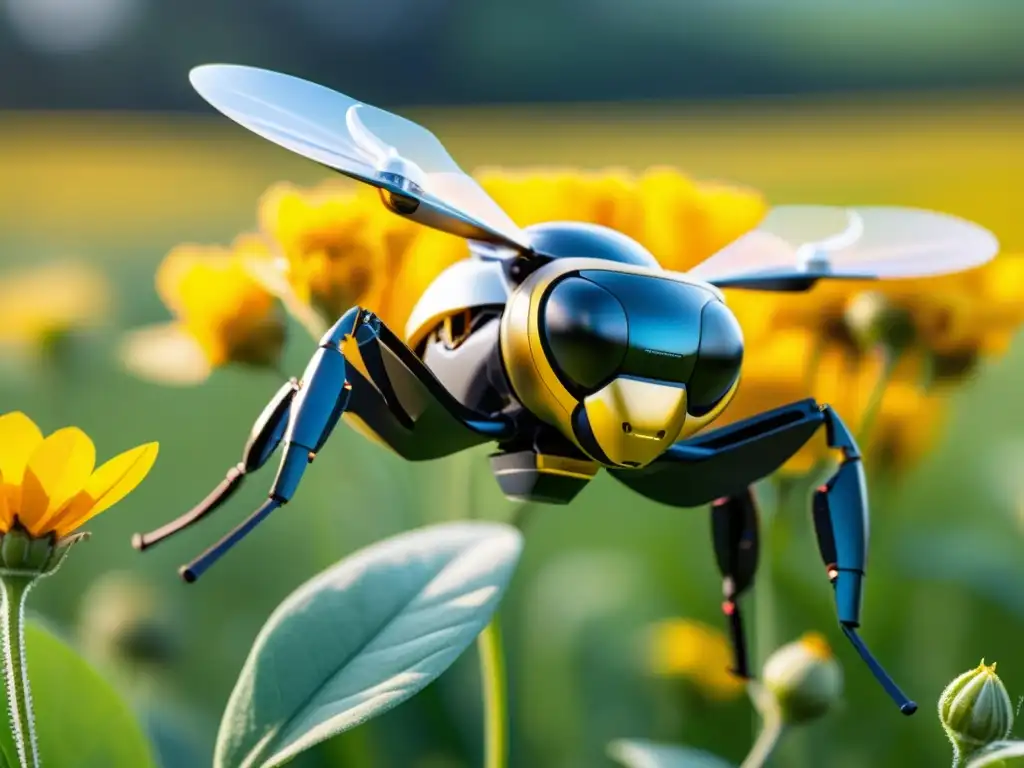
(795,246)
(417,177)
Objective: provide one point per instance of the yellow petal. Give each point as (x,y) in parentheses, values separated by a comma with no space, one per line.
(272,274)
(57,470)
(107,486)
(6,515)
(165,354)
(19,437)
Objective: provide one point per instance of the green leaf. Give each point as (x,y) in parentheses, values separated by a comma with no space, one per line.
(175,738)
(8,749)
(636,753)
(998,755)
(364,636)
(81,720)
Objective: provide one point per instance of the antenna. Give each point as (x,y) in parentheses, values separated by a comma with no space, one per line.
(907,707)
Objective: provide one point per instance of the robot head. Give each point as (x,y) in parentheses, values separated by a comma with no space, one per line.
(625,360)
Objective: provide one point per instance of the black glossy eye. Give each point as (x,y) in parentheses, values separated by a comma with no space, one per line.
(586,332)
(719,358)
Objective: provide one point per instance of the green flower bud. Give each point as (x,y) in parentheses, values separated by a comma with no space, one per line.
(32,556)
(975,709)
(14,549)
(872,320)
(804,679)
(123,621)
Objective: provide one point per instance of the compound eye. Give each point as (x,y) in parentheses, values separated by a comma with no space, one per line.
(585,329)
(719,358)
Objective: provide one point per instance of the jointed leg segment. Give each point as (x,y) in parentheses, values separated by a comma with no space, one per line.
(723,463)
(734,529)
(304,413)
(840,511)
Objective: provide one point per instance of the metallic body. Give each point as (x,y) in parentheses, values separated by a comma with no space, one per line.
(567,347)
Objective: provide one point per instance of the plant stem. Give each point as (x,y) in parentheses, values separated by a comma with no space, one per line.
(890,358)
(767,741)
(19,695)
(963,753)
(494,678)
(493,682)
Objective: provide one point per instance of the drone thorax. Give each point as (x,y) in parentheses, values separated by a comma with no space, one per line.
(623,359)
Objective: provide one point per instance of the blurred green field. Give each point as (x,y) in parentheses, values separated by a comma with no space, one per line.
(945,575)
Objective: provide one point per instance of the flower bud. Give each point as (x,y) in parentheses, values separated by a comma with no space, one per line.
(873,320)
(123,621)
(975,709)
(14,549)
(33,556)
(804,679)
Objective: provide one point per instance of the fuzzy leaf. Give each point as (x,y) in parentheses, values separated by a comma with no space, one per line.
(81,721)
(364,636)
(636,753)
(999,754)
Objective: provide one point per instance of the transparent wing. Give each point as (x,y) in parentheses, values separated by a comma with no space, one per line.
(418,177)
(797,245)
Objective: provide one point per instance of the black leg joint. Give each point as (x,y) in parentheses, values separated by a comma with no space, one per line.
(371,349)
(734,529)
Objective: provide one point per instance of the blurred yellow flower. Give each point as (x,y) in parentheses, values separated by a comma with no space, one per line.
(792,363)
(332,239)
(40,303)
(696,652)
(976,311)
(337,247)
(907,426)
(679,220)
(831,344)
(52,485)
(223,315)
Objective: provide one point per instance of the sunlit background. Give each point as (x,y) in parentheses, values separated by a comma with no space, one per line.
(109,160)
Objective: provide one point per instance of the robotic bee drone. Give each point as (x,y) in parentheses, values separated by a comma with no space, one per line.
(570,348)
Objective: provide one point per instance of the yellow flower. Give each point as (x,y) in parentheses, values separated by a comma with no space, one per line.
(340,247)
(40,303)
(791,364)
(328,237)
(696,652)
(531,196)
(679,220)
(223,315)
(908,423)
(976,311)
(824,344)
(335,245)
(50,487)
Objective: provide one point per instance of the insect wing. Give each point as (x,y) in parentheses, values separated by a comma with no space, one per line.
(361,141)
(795,242)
